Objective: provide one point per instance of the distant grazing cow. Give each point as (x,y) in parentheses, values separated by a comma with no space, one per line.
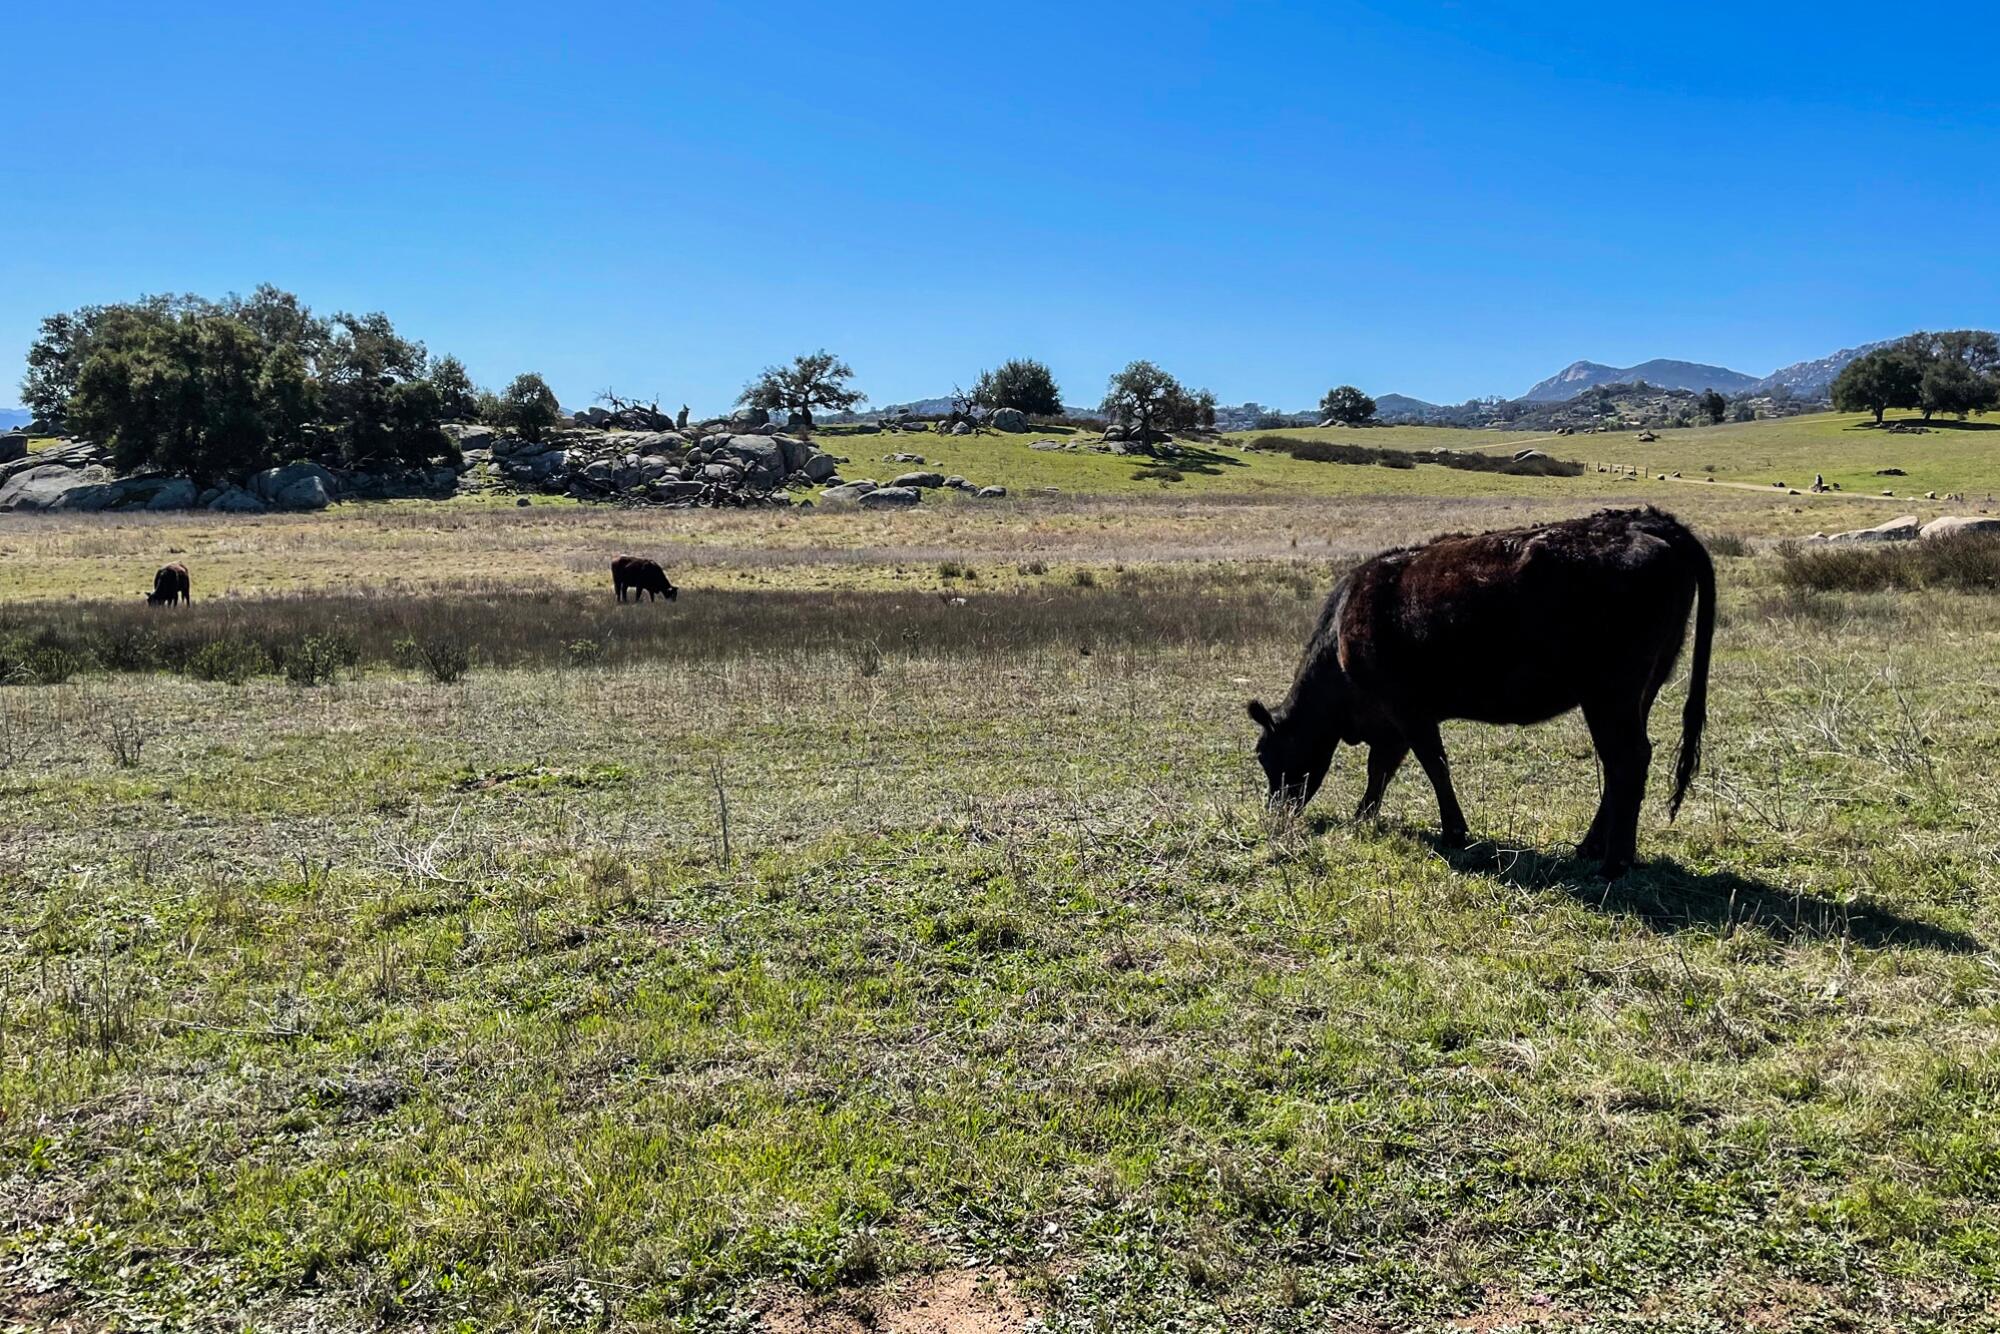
(641,576)
(1509,627)
(170,585)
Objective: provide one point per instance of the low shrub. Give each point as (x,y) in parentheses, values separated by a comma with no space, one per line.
(127,648)
(124,736)
(1727,544)
(1968,563)
(444,659)
(227,661)
(584,653)
(1334,451)
(13,662)
(336,633)
(53,664)
(315,660)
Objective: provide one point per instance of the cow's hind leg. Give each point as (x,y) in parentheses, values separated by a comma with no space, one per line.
(1429,749)
(1619,732)
(1384,758)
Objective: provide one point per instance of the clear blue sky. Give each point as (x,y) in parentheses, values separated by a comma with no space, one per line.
(1431,198)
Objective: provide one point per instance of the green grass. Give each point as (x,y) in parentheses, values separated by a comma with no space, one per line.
(1224,469)
(391,1004)
(1954,456)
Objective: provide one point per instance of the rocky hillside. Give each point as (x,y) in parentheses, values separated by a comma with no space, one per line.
(1660,372)
(1813,379)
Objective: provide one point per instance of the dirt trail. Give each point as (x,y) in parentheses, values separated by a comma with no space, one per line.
(1789,492)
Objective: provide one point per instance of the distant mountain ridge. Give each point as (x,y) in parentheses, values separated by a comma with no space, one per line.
(1811,379)
(1661,373)
(1391,407)
(1802,379)
(13,419)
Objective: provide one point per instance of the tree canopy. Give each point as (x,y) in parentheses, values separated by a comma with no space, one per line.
(1955,372)
(1886,378)
(458,397)
(1961,372)
(1147,399)
(215,388)
(529,407)
(1022,383)
(1348,405)
(814,380)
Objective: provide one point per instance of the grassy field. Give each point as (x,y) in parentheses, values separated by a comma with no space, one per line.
(1960,457)
(817,945)
(1233,505)
(418,546)
(1954,456)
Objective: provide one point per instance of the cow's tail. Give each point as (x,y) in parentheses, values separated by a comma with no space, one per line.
(1694,715)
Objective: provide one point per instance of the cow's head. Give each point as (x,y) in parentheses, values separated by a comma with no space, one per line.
(672,592)
(1295,758)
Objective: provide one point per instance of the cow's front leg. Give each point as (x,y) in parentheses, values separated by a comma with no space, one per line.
(1384,758)
(1429,748)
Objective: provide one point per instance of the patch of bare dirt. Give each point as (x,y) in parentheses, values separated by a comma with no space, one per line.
(49,1312)
(1503,1309)
(965,1301)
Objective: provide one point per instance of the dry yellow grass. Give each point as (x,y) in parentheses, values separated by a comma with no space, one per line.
(418,546)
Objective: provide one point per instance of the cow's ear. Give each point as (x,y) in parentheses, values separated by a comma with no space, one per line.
(1259,714)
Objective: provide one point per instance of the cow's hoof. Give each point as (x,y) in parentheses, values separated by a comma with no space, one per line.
(1615,869)
(1455,839)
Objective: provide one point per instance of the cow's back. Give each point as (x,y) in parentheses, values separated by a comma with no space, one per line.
(1515,626)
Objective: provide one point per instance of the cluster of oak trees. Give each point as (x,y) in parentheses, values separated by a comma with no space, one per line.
(1956,373)
(218,388)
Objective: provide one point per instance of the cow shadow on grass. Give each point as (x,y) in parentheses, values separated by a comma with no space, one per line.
(1669,897)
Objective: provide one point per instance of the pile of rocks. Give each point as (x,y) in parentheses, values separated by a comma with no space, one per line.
(905,490)
(77,476)
(1114,442)
(722,467)
(1909,529)
(732,463)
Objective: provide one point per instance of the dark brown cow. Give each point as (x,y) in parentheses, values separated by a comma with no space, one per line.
(1508,627)
(641,576)
(170,586)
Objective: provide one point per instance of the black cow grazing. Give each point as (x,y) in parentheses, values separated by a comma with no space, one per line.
(170,586)
(1508,627)
(641,576)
